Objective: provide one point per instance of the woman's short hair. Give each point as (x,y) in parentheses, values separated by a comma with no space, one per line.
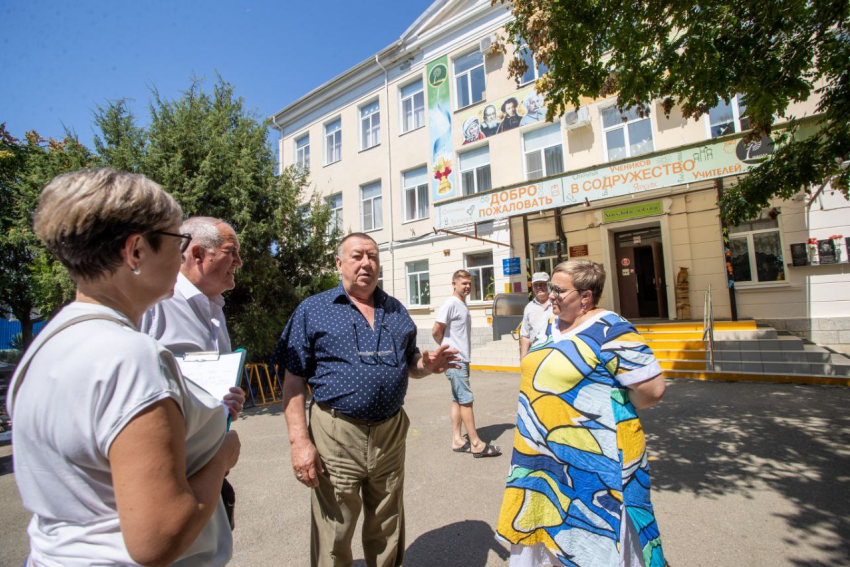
(587,276)
(85,217)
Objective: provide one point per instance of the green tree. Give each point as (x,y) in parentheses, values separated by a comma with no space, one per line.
(32,283)
(214,157)
(772,52)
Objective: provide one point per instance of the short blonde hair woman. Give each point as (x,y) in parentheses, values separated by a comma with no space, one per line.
(579,453)
(120,460)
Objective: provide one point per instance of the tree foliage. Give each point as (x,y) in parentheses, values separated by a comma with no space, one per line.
(772,52)
(32,283)
(214,158)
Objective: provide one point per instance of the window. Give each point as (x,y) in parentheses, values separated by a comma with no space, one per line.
(544,154)
(304,213)
(412,107)
(415,194)
(371,207)
(335,205)
(370,126)
(756,249)
(469,79)
(483,277)
(728,118)
(333,141)
(544,256)
(381,277)
(302,152)
(418,283)
(475,171)
(534,71)
(625,134)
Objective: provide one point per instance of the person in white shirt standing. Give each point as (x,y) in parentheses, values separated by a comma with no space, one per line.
(452,328)
(537,313)
(193,319)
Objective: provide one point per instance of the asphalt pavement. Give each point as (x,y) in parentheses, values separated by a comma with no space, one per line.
(743,474)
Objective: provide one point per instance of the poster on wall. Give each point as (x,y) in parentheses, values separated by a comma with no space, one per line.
(440,129)
(524,107)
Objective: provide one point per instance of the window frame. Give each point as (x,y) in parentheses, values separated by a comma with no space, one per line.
(416,190)
(417,274)
(362,119)
(550,260)
(751,253)
(302,154)
(734,105)
(411,97)
(474,170)
(624,126)
(335,133)
(372,205)
(520,53)
(468,74)
(336,212)
(543,153)
(473,269)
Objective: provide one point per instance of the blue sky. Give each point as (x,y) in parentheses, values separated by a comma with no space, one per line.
(62,59)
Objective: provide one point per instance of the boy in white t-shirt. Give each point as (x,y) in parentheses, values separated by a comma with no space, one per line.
(452,327)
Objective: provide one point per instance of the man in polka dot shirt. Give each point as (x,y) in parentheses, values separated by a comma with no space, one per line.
(355,346)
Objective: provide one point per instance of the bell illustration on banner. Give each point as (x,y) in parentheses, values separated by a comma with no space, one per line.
(441,173)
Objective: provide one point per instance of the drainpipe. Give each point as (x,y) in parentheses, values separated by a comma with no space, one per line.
(389,176)
(279,146)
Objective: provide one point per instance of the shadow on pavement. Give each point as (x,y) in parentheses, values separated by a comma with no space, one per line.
(275,408)
(462,544)
(492,432)
(709,440)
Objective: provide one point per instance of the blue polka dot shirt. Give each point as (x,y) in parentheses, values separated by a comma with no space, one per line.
(350,367)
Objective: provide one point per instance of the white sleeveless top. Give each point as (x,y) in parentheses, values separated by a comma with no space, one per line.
(80,391)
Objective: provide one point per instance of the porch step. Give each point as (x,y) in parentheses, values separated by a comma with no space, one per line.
(758,377)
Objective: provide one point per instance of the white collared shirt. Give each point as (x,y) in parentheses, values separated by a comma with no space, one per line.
(535,317)
(188,322)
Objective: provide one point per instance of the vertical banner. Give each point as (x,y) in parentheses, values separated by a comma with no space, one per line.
(440,129)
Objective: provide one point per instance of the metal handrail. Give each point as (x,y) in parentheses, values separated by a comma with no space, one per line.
(708,328)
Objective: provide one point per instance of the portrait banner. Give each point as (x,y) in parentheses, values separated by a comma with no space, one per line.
(526,106)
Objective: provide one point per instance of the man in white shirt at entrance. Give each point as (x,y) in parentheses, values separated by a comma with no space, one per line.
(452,328)
(537,313)
(193,319)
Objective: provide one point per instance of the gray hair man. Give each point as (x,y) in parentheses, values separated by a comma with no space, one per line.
(355,346)
(192,320)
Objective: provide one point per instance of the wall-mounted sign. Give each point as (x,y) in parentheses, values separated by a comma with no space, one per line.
(580,250)
(630,212)
(625,262)
(440,129)
(500,204)
(510,267)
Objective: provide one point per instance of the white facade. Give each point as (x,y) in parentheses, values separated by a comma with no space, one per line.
(370,142)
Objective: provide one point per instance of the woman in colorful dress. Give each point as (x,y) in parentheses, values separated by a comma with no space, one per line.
(578,489)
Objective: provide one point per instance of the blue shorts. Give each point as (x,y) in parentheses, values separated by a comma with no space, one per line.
(459,379)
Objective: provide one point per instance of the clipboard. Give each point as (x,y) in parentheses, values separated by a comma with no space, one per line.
(216,373)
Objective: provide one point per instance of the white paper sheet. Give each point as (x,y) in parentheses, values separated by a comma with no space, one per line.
(214,374)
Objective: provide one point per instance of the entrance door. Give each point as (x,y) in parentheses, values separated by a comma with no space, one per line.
(640,273)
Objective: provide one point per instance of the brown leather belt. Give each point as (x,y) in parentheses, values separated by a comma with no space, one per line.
(355,421)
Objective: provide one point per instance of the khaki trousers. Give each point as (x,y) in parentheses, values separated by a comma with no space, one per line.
(364,467)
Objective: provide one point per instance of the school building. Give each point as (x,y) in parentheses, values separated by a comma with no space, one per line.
(448,163)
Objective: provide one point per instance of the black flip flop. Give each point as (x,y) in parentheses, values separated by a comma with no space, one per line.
(465,448)
(489,451)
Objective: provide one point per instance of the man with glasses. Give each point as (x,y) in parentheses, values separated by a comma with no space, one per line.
(355,346)
(537,313)
(193,319)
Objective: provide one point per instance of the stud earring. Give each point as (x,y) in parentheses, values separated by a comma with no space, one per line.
(137,271)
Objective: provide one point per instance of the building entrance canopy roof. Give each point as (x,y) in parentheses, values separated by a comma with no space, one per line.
(689,164)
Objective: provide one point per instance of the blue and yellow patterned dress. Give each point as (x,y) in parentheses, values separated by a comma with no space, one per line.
(579,461)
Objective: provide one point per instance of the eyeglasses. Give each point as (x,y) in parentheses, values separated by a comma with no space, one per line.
(377,356)
(555,290)
(187,238)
